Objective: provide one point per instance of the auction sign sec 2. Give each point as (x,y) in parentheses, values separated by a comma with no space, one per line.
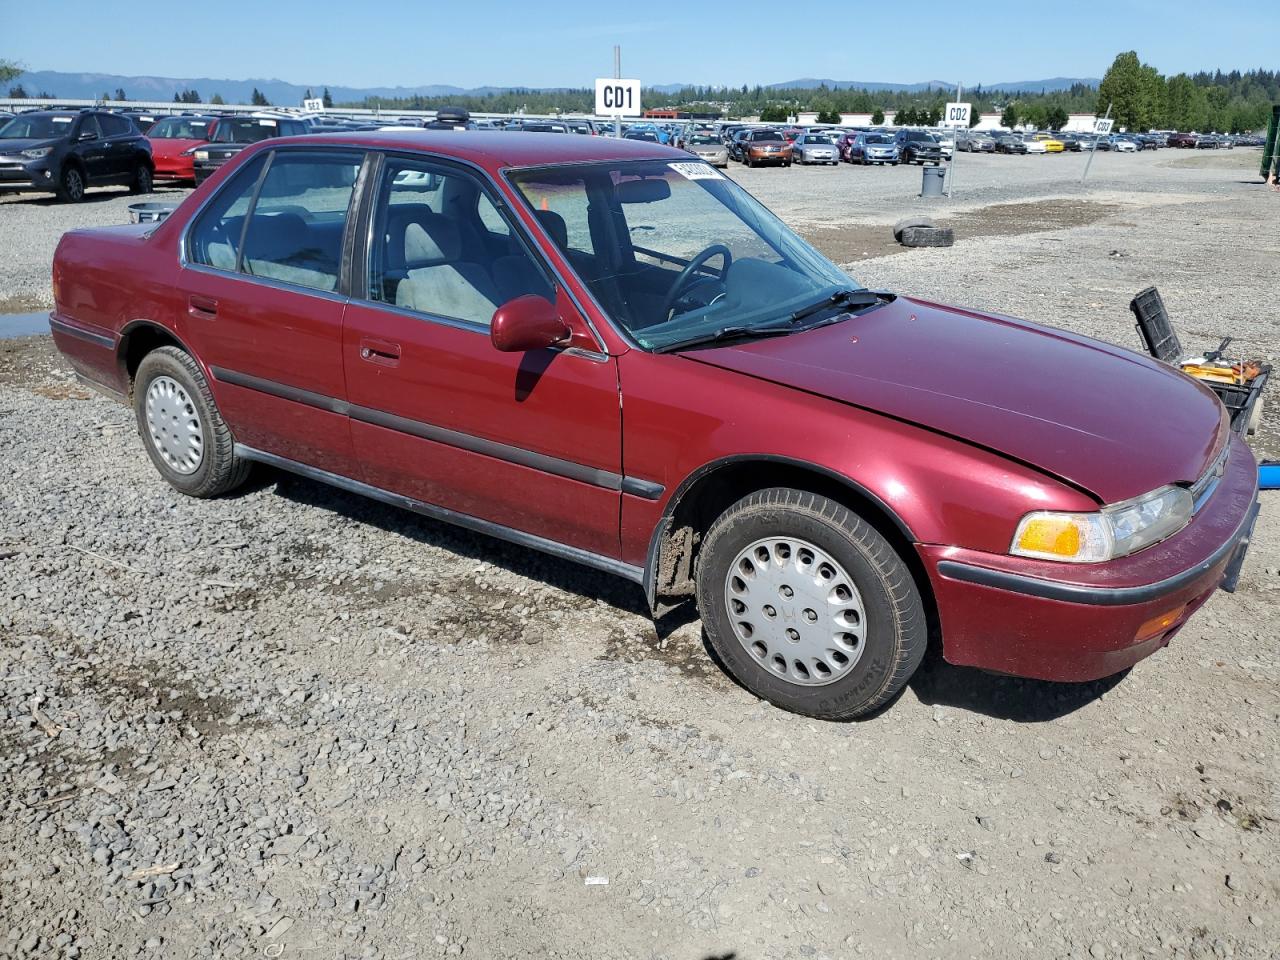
(617,98)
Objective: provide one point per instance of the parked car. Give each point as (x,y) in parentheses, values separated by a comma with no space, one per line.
(815,148)
(647,136)
(701,422)
(543,126)
(946,142)
(706,147)
(67,152)
(757,147)
(1123,145)
(873,148)
(917,146)
(974,141)
(1033,145)
(174,141)
(1051,143)
(233,134)
(142,119)
(1010,143)
(1183,140)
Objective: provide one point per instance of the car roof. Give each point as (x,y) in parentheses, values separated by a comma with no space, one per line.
(501,149)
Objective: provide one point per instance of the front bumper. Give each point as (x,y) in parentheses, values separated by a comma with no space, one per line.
(175,168)
(1066,622)
(27,174)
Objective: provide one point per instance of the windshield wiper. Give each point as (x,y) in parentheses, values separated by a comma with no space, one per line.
(849,298)
(726,334)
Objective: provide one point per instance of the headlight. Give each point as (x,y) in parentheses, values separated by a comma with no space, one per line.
(202,154)
(37,153)
(1114,531)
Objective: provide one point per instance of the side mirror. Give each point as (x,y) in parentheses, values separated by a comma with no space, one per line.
(527,323)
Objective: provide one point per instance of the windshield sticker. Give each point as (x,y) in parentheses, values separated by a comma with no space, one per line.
(696,171)
(266,123)
(61,119)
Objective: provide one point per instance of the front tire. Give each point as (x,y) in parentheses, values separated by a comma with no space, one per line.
(181,428)
(71,185)
(808,606)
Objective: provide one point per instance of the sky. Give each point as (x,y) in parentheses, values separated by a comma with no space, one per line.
(570,42)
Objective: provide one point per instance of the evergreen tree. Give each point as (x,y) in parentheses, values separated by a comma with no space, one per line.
(259,99)
(328,100)
(877,118)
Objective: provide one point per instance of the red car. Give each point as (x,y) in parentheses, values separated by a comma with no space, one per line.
(174,140)
(609,351)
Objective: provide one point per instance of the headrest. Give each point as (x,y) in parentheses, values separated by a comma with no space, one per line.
(554,224)
(276,236)
(435,239)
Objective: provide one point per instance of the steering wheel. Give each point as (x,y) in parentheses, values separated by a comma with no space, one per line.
(682,281)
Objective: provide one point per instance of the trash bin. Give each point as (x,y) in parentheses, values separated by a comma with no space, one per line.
(150,212)
(934,179)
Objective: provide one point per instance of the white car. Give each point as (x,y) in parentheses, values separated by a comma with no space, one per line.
(1035,146)
(1124,146)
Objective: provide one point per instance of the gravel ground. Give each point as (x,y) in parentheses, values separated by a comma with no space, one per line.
(293,723)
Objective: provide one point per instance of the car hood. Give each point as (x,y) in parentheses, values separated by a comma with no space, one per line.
(1107,420)
(172,146)
(17,146)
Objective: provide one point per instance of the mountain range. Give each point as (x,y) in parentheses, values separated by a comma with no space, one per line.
(91,85)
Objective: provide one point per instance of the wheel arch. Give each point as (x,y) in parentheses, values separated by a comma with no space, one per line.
(137,339)
(708,491)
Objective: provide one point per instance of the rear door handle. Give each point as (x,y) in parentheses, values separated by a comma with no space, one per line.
(202,308)
(379,351)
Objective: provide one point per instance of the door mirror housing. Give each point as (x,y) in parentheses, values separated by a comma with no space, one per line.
(527,323)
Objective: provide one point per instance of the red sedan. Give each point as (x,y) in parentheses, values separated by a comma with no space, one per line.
(609,351)
(173,140)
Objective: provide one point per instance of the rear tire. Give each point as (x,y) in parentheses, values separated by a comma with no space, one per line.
(852,604)
(181,428)
(143,181)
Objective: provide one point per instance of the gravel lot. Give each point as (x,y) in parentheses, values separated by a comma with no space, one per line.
(293,723)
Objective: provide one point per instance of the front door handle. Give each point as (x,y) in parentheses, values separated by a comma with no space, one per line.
(202,308)
(379,351)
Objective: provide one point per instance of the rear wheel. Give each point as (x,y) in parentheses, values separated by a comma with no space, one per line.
(808,606)
(71,184)
(142,180)
(182,430)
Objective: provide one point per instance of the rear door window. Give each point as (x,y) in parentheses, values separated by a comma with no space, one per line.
(282,217)
(114,126)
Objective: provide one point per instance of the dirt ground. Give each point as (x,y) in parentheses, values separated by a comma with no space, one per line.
(293,723)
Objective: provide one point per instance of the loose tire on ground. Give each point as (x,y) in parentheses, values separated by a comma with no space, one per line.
(927,237)
(893,631)
(906,222)
(218,469)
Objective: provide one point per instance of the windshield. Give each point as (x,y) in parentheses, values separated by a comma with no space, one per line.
(180,128)
(766,135)
(245,130)
(702,138)
(813,138)
(37,128)
(675,250)
(878,138)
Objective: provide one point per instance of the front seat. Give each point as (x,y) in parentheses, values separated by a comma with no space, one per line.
(437,280)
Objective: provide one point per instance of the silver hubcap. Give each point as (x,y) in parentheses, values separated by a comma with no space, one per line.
(796,610)
(174,425)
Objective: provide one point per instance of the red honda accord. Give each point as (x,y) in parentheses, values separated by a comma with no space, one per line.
(174,140)
(609,351)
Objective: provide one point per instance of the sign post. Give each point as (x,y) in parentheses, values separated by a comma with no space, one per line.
(956,116)
(1101,125)
(616,97)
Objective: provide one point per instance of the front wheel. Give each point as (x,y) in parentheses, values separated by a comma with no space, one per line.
(808,606)
(185,435)
(71,185)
